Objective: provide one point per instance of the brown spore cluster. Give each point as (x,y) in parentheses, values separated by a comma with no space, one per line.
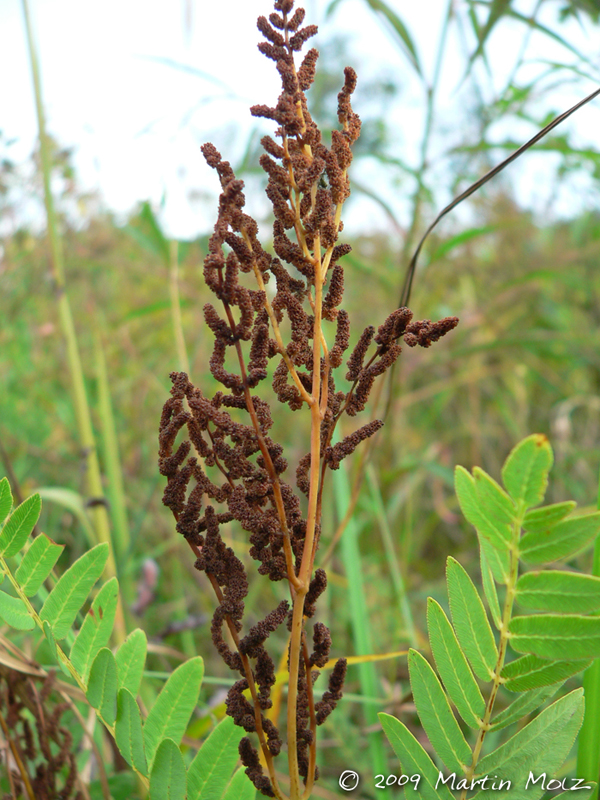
(226,470)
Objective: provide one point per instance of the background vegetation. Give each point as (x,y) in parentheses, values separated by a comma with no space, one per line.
(524,359)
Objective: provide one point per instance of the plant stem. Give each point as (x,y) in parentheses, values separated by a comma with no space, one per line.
(20,766)
(394,565)
(503,644)
(112,457)
(82,411)
(250,680)
(184,364)
(362,630)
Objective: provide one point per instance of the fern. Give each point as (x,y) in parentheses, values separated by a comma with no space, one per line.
(110,682)
(532,654)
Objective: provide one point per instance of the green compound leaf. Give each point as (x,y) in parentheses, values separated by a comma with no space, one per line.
(583,792)
(495,504)
(50,639)
(525,471)
(489,589)
(530,672)
(102,686)
(19,525)
(523,706)
(553,636)
(496,531)
(561,540)
(96,629)
(14,612)
(541,746)
(128,731)
(213,764)
(436,715)
(547,516)
(240,787)
(170,714)
(131,657)
(498,560)
(167,777)
(471,622)
(452,666)
(413,759)
(37,564)
(563,592)
(54,649)
(71,591)
(6,499)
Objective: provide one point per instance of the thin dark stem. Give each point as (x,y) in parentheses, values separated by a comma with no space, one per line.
(408,281)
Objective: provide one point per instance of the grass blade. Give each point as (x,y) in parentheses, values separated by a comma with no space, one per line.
(74,502)
(111,458)
(404,38)
(394,566)
(361,625)
(80,401)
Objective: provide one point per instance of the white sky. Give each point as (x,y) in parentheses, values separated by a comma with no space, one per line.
(136,124)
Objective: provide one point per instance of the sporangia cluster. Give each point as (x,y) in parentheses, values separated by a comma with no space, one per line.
(225,470)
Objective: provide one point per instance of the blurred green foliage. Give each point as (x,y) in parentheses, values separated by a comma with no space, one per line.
(524,359)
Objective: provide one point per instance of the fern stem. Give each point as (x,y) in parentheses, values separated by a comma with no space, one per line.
(503,644)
